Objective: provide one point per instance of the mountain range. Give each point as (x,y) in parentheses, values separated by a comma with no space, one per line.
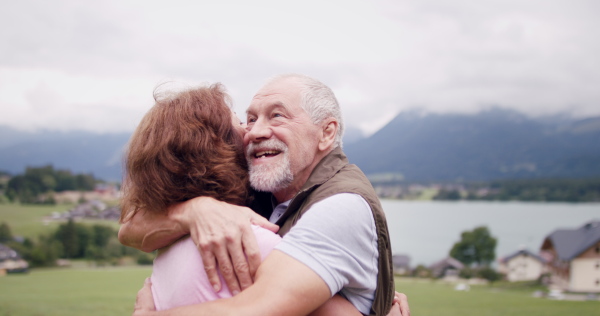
(495,144)
(78,151)
(490,145)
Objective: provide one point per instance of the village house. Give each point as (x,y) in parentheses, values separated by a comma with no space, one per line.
(522,265)
(11,261)
(94,209)
(102,192)
(401,264)
(447,268)
(573,257)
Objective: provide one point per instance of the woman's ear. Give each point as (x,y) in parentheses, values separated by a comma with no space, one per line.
(329,131)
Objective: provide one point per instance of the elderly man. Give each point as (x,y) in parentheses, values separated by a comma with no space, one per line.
(335,237)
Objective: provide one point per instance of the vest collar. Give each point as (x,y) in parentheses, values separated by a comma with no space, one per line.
(324,170)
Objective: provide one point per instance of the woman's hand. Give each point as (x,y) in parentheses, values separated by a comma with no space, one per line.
(144,303)
(399,305)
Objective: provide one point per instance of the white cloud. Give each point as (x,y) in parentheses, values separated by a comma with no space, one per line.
(84,65)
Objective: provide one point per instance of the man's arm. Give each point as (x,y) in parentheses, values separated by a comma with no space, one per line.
(337,305)
(221,231)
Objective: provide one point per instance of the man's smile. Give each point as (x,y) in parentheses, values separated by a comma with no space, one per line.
(266,149)
(266,153)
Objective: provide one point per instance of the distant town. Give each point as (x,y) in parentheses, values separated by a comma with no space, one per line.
(542,190)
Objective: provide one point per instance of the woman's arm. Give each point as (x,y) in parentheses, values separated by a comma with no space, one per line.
(284,286)
(148,231)
(221,231)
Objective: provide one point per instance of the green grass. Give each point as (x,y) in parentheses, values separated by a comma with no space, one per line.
(67,292)
(111,291)
(28,220)
(428,298)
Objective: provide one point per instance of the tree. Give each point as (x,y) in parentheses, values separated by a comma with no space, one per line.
(475,247)
(45,252)
(466,273)
(102,235)
(5,233)
(451,195)
(38,183)
(421,271)
(68,237)
(85,182)
(489,274)
(65,181)
(144,259)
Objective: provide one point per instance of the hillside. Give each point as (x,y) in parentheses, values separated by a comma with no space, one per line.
(496,144)
(80,152)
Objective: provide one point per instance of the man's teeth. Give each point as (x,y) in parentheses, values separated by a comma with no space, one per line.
(261,154)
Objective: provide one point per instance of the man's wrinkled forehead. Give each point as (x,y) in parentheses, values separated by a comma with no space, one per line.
(265,106)
(283,93)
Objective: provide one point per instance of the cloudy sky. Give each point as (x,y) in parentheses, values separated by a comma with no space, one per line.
(92,65)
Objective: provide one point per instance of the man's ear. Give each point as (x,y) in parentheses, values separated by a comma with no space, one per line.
(329,131)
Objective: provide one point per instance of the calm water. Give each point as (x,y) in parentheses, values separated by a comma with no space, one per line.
(426,230)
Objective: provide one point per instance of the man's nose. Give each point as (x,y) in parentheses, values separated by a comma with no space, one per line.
(259,130)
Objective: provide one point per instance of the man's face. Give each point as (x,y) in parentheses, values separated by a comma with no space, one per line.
(281,140)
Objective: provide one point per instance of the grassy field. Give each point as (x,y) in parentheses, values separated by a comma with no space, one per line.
(28,220)
(111,291)
(428,298)
(67,292)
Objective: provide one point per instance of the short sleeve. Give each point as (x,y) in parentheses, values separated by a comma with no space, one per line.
(337,239)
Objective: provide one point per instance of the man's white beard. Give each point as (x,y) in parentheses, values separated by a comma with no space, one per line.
(271,177)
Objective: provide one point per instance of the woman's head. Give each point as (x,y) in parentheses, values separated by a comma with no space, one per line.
(185,146)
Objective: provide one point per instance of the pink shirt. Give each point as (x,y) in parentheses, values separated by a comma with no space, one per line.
(178,276)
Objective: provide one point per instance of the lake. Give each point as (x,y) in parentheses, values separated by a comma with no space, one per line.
(427,230)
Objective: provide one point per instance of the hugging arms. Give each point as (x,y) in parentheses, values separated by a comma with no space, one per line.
(284,141)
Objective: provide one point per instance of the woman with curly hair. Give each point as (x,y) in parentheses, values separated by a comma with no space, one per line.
(189,144)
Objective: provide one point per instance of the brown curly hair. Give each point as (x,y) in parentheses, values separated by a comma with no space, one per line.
(184,147)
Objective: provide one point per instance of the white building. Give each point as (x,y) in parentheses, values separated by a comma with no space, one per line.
(401,264)
(10,261)
(522,265)
(573,257)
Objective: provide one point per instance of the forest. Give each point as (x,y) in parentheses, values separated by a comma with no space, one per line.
(72,240)
(38,184)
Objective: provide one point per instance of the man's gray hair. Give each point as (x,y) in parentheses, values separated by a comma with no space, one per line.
(318,101)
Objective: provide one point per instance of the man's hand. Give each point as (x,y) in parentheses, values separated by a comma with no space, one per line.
(224,238)
(144,302)
(400,305)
